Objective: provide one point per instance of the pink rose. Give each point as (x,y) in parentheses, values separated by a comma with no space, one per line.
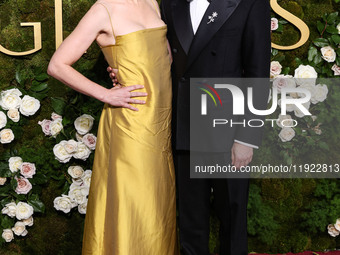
(27,169)
(274,24)
(90,141)
(336,69)
(45,126)
(55,116)
(24,186)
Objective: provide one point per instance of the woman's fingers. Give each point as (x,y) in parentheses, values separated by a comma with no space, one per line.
(138,94)
(135,101)
(134,87)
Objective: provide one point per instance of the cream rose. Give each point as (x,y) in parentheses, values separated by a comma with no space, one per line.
(27,169)
(336,70)
(90,141)
(60,152)
(76,172)
(29,105)
(79,137)
(13,114)
(3,119)
(19,228)
(10,209)
(337,224)
(338,27)
(7,234)
(6,135)
(274,24)
(28,222)
(305,74)
(82,207)
(83,124)
(275,69)
(286,134)
(24,186)
(24,211)
(56,126)
(78,193)
(3,180)
(71,146)
(284,81)
(64,203)
(83,152)
(319,93)
(298,112)
(328,54)
(87,178)
(14,164)
(55,116)
(285,121)
(332,231)
(45,126)
(10,99)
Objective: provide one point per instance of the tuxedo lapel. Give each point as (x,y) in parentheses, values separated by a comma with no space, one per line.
(182,23)
(208,27)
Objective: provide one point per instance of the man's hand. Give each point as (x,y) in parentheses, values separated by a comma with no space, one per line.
(241,155)
(112,74)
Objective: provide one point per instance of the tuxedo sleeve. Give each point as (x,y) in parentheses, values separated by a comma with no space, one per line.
(256,48)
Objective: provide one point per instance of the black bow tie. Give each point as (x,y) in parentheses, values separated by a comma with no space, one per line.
(192,0)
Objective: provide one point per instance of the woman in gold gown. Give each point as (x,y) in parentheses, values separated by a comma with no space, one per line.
(131,203)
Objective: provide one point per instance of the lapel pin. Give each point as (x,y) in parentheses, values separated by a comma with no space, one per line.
(212,17)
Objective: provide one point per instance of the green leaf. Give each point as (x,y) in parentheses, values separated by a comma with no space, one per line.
(320,26)
(58,105)
(37,205)
(336,39)
(323,145)
(332,30)
(39,87)
(41,77)
(312,53)
(318,59)
(298,61)
(286,70)
(321,42)
(331,18)
(19,78)
(7,222)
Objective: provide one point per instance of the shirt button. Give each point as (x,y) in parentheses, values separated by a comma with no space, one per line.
(174,50)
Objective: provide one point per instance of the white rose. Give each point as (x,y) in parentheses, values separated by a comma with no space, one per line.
(7,234)
(55,116)
(83,152)
(298,112)
(82,207)
(338,27)
(24,211)
(56,126)
(64,203)
(10,99)
(319,94)
(24,186)
(60,152)
(45,126)
(19,228)
(10,209)
(286,134)
(3,119)
(336,69)
(285,121)
(28,222)
(3,180)
(305,74)
(27,169)
(71,146)
(29,105)
(87,178)
(83,124)
(76,172)
(284,81)
(289,107)
(274,24)
(337,224)
(79,137)
(332,231)
(328,54)
(14,164)
(13,114)
(78,193)
(6,135)
(275,69)
(90,141)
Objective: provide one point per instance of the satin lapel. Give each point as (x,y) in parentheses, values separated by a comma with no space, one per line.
(205,31)
(182,23)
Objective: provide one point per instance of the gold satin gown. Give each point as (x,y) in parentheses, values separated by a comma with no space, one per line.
(131,204)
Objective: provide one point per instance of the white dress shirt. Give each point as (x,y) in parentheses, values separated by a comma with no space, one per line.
(197,10)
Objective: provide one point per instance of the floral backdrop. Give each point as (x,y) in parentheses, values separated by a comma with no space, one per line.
(48,137)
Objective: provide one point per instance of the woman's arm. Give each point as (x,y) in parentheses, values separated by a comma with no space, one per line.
(73,47)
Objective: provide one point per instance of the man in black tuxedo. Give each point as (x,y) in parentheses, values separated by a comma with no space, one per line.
(236,43)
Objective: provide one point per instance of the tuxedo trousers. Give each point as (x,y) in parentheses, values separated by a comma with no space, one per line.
(197,197)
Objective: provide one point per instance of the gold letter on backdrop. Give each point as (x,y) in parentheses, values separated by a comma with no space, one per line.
(37,40)
(295,21)
(58,22)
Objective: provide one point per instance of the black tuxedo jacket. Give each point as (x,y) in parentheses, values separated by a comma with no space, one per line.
(236,44)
